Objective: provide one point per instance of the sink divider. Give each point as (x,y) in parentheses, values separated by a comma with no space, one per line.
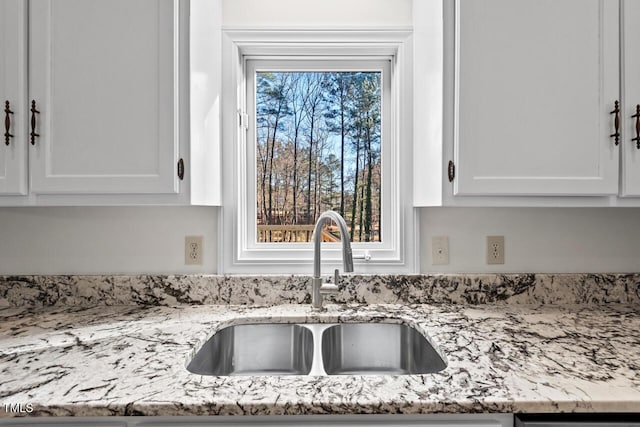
(317,365)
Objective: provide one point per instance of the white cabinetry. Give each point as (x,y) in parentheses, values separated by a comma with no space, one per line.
(535,82)
(109,80)
(102,76)
(13,90)
(630,97)
(529,87)
(427,420)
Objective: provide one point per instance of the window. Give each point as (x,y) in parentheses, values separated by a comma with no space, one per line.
(318,139)
(323,123)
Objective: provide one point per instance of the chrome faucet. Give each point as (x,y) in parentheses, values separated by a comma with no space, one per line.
(320,288)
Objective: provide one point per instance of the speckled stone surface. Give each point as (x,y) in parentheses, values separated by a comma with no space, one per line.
(364,289)
(119,345)
(130,360)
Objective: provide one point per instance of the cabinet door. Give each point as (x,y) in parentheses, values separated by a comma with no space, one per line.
(631,97)
(535,83)
(13,89)
(103,76)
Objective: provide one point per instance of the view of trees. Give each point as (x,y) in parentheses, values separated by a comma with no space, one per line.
(318,148)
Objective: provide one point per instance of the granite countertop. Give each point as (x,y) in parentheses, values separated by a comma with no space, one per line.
(130,360)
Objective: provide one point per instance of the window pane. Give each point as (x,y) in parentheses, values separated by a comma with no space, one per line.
(318,148)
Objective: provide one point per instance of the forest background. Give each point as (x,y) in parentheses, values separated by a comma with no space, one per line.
(318,148)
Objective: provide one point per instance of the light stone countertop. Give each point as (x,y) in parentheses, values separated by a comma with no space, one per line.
(130,360)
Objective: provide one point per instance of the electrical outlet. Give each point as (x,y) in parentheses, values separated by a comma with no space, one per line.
(440,250)
(495,249)
(193,250)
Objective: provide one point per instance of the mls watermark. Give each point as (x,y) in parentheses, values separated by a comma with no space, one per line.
(18,408)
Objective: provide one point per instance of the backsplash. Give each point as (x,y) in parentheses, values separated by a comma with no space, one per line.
(364,289)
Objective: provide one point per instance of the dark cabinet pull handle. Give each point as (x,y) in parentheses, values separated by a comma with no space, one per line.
(181,169)
(7,122)
(33,122)
(637,117)
(616,111)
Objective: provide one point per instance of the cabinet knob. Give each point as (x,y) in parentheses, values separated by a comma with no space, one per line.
(637,117)
(616,135)
(33,133)
(7,122)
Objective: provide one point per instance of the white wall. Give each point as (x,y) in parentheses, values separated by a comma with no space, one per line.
(332,13)
(130,240)
(104,240)
(553,240)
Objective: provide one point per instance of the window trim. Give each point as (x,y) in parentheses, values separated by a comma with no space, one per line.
(239,253)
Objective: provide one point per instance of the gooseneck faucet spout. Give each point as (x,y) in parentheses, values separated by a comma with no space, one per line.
(347,257)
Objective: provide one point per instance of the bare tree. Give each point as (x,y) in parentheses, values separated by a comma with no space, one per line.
(322,128)
(340,91)
(271,107)
(315,97)
(298,114)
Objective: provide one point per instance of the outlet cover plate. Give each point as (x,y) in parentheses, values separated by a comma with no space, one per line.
(440,250)
(193,250)
(495,249)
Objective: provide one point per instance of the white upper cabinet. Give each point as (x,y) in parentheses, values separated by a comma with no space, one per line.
(103,77)
(630,143)
(13,93)
(536,81)
(99,95)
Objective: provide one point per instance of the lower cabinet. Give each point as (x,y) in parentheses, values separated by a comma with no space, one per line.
(436,420)
(439,420)
(578,420)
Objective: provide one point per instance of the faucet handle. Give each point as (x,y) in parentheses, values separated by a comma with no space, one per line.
(331,288)
(328,288)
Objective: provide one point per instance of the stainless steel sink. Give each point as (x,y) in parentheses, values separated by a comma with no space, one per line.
(257,349)
(317,349)
(378,349)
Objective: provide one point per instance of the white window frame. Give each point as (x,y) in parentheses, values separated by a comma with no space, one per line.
(244,52)
(294,63)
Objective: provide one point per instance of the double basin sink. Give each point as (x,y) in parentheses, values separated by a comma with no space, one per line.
(317,349)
